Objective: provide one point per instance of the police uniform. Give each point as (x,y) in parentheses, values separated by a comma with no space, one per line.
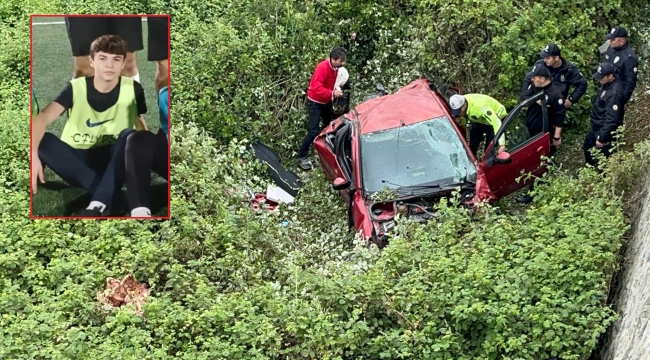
(606,113)
(564,76)
(625,62)
(535,116)
(554,103)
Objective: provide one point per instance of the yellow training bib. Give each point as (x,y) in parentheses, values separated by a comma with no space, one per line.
(87,128)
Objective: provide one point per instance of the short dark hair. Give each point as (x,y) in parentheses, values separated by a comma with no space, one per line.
(338,53)
(110,44)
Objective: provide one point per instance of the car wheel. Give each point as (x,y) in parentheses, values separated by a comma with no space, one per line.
(374,241)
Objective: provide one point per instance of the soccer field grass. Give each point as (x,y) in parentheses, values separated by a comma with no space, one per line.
(51,68)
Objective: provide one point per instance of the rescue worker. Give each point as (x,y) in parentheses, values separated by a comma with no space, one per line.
(484,113)
(320,95)
(606,114)
(625,61)
(564,75)
(542,80)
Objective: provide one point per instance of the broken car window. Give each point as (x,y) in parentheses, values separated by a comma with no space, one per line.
(426,153)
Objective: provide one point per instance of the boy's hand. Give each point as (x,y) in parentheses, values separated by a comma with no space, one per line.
(141,124)
(37,173)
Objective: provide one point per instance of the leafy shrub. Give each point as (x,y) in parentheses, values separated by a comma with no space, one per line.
(249,65)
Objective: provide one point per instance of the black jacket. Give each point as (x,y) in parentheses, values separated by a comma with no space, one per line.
(554,105)
(606,111)
(626,63)
(565,76)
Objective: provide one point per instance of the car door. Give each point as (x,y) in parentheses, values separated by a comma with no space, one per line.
(337,160)
(325,147)
(343,152)
(526,151)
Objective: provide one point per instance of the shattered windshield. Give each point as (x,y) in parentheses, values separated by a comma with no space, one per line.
(427,153)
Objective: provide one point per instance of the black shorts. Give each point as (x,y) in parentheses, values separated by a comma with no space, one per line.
(157,38)
(83,30)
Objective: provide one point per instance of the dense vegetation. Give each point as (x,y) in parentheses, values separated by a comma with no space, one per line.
(230,283)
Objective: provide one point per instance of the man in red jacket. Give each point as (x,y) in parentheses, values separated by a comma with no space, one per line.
(320,95)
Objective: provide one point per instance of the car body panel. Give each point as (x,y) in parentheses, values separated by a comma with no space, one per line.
(411,104)
(525,158)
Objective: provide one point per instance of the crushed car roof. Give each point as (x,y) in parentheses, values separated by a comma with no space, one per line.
(411,104)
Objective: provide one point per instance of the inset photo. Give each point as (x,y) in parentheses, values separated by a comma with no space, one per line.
(100,116)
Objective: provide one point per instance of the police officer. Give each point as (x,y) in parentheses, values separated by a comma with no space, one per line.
(484,113)
(564,75)
(606,114)
(542,80)
(625,61)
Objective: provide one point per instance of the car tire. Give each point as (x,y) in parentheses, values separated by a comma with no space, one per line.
(374,241)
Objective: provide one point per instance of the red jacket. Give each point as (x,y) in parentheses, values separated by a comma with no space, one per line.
(321,87)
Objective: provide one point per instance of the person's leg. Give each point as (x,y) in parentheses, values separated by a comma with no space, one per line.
(162,73)
(327,115)
(139,153)
(312,131)
(607,150)
(82,31)
(158,47)
(77,167)
(590,142)
(475,137)
(163,110)
(489,135)
(160,163)
(112,179)
(161,156)
(622,116)
(129,28)
(68,163)
(131,67)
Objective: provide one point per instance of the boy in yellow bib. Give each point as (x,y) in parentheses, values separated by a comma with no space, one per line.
(104,109)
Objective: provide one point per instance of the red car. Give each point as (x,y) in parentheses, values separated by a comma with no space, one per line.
(408,142)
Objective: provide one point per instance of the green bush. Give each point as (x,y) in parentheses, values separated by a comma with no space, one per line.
(231,283)
(244,68)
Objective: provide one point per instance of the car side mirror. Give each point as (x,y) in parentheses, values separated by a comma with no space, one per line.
(340,184)
(503,158)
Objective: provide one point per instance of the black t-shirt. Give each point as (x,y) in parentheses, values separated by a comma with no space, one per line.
(100,102)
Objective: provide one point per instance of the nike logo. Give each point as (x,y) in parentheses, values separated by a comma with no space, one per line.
(89,124)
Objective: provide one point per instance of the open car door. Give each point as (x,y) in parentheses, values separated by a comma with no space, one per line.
(524,151)
(330,144)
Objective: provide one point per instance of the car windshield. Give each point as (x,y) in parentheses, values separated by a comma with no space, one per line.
(427,153)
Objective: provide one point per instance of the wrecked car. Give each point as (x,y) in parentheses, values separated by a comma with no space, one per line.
(407,142)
